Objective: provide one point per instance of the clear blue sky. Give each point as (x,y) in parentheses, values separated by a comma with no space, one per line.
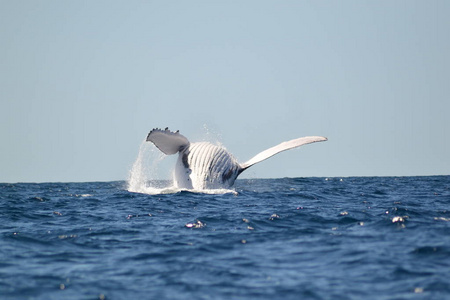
(82,83)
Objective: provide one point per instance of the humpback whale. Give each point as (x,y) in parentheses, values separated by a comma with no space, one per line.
(203,165)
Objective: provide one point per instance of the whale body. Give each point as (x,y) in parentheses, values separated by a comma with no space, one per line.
(203,165)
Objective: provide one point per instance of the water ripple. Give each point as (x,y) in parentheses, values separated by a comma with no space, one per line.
(295,238)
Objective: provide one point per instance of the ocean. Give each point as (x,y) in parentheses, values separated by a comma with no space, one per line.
(288,238)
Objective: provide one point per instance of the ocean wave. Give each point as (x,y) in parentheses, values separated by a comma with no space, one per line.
(269,238)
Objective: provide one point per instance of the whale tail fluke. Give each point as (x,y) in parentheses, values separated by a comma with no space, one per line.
(281,147)
(167,141)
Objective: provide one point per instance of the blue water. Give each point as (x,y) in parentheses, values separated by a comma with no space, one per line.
(290,238)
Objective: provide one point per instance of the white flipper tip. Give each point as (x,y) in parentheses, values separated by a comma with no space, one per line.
(167,141)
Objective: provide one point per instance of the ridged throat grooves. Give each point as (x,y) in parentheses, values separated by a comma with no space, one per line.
(208,166)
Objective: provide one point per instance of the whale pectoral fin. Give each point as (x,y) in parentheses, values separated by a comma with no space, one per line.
(281,147)
(167,141)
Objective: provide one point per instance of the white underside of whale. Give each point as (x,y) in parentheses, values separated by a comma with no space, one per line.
(204,165)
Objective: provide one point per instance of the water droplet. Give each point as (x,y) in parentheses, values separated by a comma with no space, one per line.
(197,224)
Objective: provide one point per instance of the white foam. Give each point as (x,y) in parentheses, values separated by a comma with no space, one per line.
(142,175)
(149,190)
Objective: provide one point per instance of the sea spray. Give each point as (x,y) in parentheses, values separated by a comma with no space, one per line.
(145,171)
(211,135)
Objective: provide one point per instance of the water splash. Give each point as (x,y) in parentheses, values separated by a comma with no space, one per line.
(211,135)
(143,176)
